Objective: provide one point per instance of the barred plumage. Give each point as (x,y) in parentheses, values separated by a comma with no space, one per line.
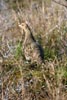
(32,49)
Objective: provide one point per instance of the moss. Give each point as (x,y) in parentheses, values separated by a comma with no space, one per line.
(65,73)
(36,73)
(19,52)
(49,53)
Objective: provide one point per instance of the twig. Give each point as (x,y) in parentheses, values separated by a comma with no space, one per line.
(47,82)
(2,92)
(56,26)
(60,3)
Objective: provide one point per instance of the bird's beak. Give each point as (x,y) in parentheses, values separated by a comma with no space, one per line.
(20,26)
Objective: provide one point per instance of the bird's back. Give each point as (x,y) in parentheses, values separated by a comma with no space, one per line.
(32,49)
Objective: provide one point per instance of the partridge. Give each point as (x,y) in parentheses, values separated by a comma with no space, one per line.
(32,49)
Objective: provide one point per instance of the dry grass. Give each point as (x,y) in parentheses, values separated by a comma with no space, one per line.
(20,80)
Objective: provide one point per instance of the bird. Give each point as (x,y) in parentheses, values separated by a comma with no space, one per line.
(32,50)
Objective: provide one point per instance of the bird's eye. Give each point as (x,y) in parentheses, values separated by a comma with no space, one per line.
(22,25)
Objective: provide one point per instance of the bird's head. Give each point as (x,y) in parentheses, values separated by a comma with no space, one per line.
(23,25)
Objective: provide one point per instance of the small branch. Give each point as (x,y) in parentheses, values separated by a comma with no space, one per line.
(56,26)
(60,3)
(2,92)
(47,82)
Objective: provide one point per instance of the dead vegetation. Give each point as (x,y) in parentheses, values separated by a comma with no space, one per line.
(23,80)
